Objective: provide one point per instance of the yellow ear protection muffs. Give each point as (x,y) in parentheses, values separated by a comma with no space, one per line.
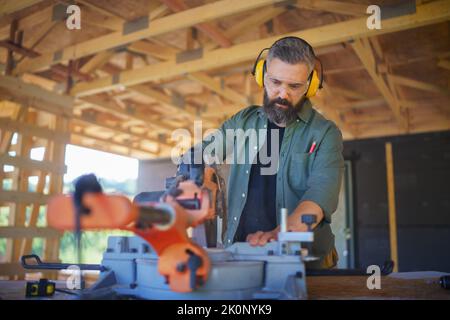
(315,79)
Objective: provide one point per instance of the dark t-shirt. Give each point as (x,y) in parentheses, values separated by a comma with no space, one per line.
(259,212)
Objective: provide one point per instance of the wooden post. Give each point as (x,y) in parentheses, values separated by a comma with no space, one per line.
(5,145)
(27,247)
(391,203)
(51,250)
(19,218)
(10,57)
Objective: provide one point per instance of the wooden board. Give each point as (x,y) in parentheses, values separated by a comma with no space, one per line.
(319,288)
(355,287)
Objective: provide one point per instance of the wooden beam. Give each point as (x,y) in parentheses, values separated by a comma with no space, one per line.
(112,21)
(34,216)
(42,99)
(42,82)
(100,103)
(28,19)
(78,139)
(106,105)
(221,39)
(11,269)
(363,50)
(33,130)
(10,63)
(346,8)
(6,137)
(168,53)
(29,232)
(218,88)
(155,50)
(352,94)
(96,62)
(321,36)
(117,129)
(39,34)
(391,201)
(436,102)
(169,101)
(379,115)
(326,98)
(245,25)
(111,141)
(445,64)
(361,104)
(16,48)
(23,197)
(209,29)
(8,7)
(19,217)
(57,155)
(343,70)
(160,26)
(29,164)
(416,84)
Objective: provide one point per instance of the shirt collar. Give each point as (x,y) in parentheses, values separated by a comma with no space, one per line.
(305,111)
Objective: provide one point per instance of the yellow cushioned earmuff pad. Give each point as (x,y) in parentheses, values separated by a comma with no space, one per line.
(314,83)
(259,72)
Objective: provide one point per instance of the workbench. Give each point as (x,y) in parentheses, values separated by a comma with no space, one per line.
(405,286)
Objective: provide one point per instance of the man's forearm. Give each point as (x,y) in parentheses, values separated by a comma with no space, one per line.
(305,207)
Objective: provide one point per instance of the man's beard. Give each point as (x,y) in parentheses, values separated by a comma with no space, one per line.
(278,115)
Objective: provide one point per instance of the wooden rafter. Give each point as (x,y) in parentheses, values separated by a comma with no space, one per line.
(321,36)
(96,62)
(114,128)
(162,25)
(8,7)
(445,64)
(209,29)
(416,84)
(364,51)
(107,142)
(17,90)
(352,9)
(256,19)
(105,104)
(325,102)
(167,53)
(348,93)
(173,101)
(163,53)
(113,22)
(59,104)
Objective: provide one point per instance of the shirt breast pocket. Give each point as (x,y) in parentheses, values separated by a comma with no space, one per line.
(298,171)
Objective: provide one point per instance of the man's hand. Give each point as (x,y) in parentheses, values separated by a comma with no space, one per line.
(260,238)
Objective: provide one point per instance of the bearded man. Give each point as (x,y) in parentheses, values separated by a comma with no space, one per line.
(308,155)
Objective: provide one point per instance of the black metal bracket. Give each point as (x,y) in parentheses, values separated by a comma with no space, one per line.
(39,265)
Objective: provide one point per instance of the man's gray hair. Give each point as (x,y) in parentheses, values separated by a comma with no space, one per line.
(292,51)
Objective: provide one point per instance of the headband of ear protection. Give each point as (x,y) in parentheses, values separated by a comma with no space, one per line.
(315,78)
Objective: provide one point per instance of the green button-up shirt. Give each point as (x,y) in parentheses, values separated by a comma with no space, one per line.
(301,175)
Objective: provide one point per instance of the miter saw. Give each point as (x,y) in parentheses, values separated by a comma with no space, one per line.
(162,261)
